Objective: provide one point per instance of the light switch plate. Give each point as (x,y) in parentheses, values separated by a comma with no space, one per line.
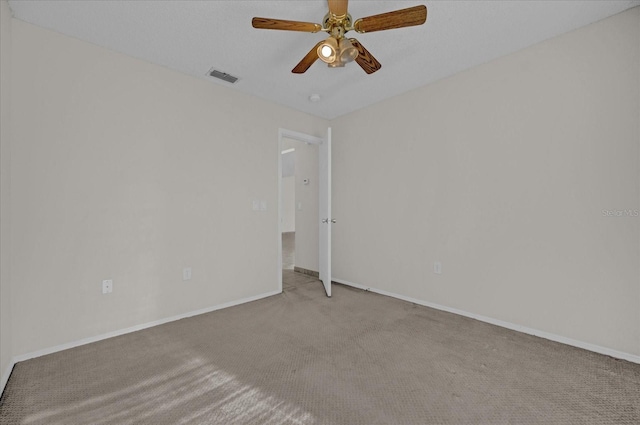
(107,286)
(186,273)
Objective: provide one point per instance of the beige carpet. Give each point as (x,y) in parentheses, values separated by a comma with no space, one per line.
(303,358)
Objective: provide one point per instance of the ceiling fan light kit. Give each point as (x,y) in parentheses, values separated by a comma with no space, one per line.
(348,53)
(328,50)
(337,50)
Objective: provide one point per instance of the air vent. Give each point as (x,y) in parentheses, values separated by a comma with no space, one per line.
(223,76)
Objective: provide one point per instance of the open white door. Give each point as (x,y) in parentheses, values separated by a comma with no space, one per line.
(325,212)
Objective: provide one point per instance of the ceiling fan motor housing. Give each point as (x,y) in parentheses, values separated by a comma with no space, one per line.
(331,21)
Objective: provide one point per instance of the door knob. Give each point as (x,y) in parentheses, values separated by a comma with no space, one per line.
(325,220)
(333,220)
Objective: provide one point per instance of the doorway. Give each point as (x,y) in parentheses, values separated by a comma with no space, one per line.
(298,216)
(288,201)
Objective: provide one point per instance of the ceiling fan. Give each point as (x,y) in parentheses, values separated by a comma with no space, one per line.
(337,50)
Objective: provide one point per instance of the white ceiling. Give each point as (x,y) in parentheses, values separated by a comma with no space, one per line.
(194,36)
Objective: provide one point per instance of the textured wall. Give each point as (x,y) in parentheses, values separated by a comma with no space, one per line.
(505,173)
(128,171)
(6,352)
(288,204)
(307,219)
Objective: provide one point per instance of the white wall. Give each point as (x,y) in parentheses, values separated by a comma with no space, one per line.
(129,171)
(502,173)
(288,163)
(288,204)
(307,218)
(6,351)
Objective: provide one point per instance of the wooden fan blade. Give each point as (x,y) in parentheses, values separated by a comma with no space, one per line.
(398,19)
(338,7)
(307,61)
(281,24)
(365,59)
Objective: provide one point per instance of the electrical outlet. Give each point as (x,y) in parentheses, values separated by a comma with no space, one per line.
(255,205)
(107,286)
(186,273)
(263,205)
(437,267)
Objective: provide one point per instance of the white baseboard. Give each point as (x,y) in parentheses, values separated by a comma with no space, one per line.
(519,328)
(50,350)
(5,376)
(546,335)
